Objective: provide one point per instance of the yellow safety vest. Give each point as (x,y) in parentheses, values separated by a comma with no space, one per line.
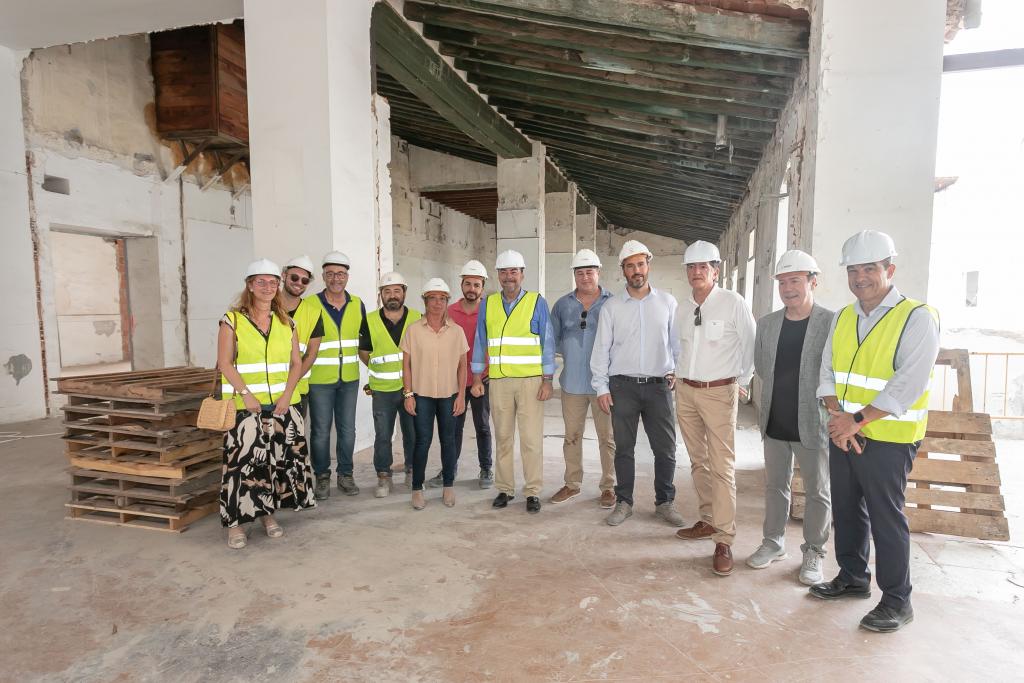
(386,357)
(306,317)
(338,357)
(261,361)
(512,349)
(862,368)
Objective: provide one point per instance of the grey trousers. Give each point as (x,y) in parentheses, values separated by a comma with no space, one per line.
(653,404)
(778,475)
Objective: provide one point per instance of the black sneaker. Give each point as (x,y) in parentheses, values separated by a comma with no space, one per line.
(502,500)
(436,482)
(532,504)
(322,490)
(885,619)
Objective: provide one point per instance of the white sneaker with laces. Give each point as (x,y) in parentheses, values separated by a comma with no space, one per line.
(810,569)
(765,555)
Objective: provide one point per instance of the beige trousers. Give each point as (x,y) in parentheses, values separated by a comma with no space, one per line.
(707,418)
(574,414)
(514,400)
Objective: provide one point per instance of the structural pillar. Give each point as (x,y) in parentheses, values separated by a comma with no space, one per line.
(872,126)
(560,239)
(586,229)
(521,224)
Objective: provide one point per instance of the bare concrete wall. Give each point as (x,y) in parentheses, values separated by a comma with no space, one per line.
(667,272)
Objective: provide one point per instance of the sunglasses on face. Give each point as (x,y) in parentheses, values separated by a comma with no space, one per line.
(583,320)
(696,317)
(298,278)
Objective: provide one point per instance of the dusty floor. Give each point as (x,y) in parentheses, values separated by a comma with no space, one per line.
(369,590)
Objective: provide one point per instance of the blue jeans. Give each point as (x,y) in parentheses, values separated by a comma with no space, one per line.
(336,403)
(386,405)
(427,411)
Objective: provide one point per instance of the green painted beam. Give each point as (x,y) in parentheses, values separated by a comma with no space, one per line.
(407,57)
(668,21)
(713,180)
(435,18)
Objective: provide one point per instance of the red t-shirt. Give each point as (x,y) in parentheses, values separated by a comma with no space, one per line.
(467,321)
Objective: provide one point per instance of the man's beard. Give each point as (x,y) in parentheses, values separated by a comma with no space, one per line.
(470,296)
(637,281)
(393,305)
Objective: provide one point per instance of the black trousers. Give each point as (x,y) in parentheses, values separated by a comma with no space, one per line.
(481,423)
(868,491)
(651,402)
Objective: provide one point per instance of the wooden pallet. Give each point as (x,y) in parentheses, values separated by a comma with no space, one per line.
(160,386)
(184,469)
(204,478)
(953,487)
(139,515)
(128,448)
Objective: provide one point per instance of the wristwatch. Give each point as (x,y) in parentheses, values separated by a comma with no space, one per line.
(858,417)
(244,392)
(409,394)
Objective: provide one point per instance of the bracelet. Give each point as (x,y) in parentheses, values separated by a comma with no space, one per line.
(408,394)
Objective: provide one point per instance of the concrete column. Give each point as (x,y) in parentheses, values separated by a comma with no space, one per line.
(586,229)
(521,224)
(315,136)
(560,240)
(22,388)
(872,125)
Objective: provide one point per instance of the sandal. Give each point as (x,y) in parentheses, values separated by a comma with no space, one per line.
(273,529)
(236,539)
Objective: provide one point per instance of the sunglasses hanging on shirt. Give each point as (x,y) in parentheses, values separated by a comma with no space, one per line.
(696,317)
(583,320)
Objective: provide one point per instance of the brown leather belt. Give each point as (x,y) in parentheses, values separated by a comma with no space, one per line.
(709,385)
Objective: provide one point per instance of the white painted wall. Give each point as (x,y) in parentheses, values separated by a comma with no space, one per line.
(21,375)
(667,272)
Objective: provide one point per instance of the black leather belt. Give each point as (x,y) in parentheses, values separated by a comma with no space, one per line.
(640,380)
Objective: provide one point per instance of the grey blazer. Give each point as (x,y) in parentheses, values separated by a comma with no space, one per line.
(813,429)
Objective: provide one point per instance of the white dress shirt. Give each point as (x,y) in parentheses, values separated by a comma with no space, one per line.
(722,346)
(634,337)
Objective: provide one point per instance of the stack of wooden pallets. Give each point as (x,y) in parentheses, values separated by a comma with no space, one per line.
(136,457)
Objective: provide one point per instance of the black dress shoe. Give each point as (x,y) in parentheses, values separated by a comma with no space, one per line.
(885,619)
(532,504)
(502,500)
(837,588)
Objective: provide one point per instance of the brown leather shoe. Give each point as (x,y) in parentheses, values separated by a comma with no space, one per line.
(564,494)
(721,563)
(608,499)
(696,532)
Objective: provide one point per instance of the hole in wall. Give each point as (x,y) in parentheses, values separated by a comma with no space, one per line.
(56,184)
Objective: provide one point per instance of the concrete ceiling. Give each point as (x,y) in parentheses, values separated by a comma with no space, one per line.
(28,24)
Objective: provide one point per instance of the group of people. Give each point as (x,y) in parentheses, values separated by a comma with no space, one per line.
(845,394)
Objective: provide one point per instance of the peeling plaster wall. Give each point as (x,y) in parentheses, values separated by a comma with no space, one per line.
(667,272)
(431,240)
(89,119)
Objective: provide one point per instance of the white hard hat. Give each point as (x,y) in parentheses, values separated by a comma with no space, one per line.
(474,268)
(795,261)
(388,279)
(632,248)
(701,252)
(585,258)
(337,258)
(436,284)
(510,259)
(867,246)
(303,262)
(263,267)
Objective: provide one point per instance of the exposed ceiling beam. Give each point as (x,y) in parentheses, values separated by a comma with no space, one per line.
(975,61)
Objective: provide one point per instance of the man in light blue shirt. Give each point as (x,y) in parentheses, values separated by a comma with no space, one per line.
(633,364)
(574,319)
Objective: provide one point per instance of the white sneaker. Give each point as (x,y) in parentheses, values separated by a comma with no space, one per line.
(765,555)
(810,570)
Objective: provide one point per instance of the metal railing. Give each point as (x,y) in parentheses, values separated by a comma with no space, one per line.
(997,380)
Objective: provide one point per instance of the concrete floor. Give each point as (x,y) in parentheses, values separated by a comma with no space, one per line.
(369,590)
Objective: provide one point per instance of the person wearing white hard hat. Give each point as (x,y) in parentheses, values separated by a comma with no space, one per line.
(334,379)
(266,464)
(434,380)
(632,367)
(379,350)
(465,313)
(295,278)
(716,337)
(787,359)
(574,318)
(516,346)
(876,369)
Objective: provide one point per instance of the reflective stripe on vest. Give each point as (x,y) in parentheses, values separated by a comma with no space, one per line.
(386,358)
(513,350)
(862,369)
(338,355)
(262,362)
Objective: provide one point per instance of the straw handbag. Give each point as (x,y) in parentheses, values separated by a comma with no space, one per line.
(215,413)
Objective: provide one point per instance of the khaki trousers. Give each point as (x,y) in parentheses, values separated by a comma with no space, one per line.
(514,400)
(707,418)
(574,414)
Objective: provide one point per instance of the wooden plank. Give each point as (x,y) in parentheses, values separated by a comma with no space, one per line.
(677,22)
(121,518)
(203,476)
(956,499)
(407,57)
(980,449)
(984,527)
(146,469)
(959,423)
(954,472)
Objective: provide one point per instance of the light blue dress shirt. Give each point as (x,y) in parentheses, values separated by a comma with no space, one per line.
(540,324)
(576,344)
